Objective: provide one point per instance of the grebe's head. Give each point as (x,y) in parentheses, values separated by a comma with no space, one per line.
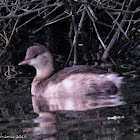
(37,56)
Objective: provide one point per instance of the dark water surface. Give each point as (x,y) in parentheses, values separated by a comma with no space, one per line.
(98,117)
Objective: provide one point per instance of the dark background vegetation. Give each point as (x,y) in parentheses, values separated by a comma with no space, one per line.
(104,33)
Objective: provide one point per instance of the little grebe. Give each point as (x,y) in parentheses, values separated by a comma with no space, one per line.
(71,81)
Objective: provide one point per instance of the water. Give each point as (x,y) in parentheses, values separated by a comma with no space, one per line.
(98,117)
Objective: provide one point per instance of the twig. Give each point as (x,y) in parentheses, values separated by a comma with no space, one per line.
(92,13)
(129,24)
(28,12)
(56,8)
(30,19)
(95,28)
(4,37)
(10,38)
(22,3)
(80,9)
(76,35)
(52,22)
(117,25)
(74,44)
(37,16)
(70,40)
(115,21)
(60,15)
(131,20)
(7,25)
(116,35)
(104,24)
(107,8)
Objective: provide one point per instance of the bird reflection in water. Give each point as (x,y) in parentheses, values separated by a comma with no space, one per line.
(46,109)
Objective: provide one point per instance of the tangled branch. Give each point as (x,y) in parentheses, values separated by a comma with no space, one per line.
(115,18)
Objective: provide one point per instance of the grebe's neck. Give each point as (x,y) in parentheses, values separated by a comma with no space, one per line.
(41,75)
(44,73)
(45,67)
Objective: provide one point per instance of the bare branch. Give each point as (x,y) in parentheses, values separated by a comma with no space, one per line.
(94,25)
(8,41)
(108,8)
(116,35)
(11,15)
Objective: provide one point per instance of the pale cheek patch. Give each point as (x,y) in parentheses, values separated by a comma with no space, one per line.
(32,62)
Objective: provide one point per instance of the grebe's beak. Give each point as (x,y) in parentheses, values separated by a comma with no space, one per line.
(25,62)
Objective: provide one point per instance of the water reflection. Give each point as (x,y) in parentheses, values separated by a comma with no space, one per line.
(80,103)
(101,117)
(72,108)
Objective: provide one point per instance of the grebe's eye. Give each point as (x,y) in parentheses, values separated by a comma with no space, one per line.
(35,56)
